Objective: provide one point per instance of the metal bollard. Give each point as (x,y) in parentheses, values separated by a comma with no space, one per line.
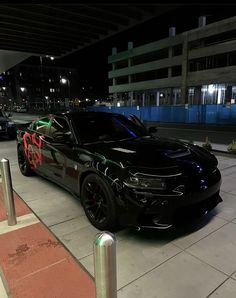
(8,192)
(105,265)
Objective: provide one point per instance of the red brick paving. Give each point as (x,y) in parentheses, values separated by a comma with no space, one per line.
(20,206)
(36,265)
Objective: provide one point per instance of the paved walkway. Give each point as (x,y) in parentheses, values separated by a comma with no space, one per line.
(34,263)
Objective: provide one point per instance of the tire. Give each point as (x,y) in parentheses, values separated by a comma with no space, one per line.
(23,163)
(98,202)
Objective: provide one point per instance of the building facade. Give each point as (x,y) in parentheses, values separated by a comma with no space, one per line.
(191,68)
(38,87)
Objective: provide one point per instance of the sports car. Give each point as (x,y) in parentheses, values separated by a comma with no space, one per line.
(123,173)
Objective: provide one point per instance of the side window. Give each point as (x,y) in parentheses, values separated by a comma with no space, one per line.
(42,125)
(59,126)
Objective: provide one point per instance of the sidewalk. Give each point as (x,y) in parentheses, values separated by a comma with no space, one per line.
(33,263)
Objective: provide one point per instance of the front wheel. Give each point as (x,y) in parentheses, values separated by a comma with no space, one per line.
(98,202)
(23,162)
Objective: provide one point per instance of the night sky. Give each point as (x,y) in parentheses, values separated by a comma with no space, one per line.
(91,62)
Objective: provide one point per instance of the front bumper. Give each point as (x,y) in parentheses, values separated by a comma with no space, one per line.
(161,211)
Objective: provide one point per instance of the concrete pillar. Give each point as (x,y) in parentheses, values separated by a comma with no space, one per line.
(202,21)
(158,98)
(170,99)
(113,79)
(129,76)
(143,99)
(114,51)
(130,47)
(170,53)
(228,94)
(130,98)
(184,89)
(197,95)
(172,31)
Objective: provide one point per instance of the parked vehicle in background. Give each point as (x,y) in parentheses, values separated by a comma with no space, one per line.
(21,109)
(122,173)
(7,126)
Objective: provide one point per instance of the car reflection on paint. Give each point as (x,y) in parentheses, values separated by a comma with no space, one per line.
(122,173)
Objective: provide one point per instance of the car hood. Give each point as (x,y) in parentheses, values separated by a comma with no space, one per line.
(155,153)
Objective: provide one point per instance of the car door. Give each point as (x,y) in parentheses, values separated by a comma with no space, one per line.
(60,153)
(34,146)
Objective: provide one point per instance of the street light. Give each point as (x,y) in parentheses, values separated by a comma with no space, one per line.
(66,81)
(22,89)
(63,80)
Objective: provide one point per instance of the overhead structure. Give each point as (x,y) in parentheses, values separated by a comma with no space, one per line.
(60,29)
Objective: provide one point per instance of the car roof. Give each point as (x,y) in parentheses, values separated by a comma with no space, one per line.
(74,114)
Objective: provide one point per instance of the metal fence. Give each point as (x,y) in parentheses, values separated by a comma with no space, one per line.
(201,114)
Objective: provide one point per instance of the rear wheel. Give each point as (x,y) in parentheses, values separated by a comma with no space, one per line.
(98,201)
(23,162)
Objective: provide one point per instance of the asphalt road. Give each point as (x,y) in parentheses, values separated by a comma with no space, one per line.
(218,137)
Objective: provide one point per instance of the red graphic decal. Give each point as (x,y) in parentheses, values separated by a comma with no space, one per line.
(32,149)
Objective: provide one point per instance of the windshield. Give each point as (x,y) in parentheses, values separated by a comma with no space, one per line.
(106,127)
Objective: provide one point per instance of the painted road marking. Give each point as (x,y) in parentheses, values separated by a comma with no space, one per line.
(22,221)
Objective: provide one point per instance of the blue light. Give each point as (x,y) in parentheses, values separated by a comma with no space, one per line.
(199,169)
(130,132)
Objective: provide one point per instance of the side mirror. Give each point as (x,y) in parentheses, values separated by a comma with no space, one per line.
(152,129)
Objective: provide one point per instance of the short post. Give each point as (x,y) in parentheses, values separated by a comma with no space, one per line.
(105,265)
(8,192)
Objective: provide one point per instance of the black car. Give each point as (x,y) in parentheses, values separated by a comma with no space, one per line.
(122,173)
(7,126)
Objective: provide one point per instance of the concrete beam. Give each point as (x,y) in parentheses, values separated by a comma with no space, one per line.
(152,84)
(148,48)
(9,59)
(213,28)
(215,49)
(212,76)
(157,64)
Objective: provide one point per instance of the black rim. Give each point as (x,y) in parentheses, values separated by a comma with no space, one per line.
(95,202)
(22,161)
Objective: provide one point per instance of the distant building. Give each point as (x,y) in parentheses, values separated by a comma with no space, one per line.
(194,67)
(38,86)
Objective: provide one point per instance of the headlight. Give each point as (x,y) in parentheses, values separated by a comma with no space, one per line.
(146,183)
(10,123)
